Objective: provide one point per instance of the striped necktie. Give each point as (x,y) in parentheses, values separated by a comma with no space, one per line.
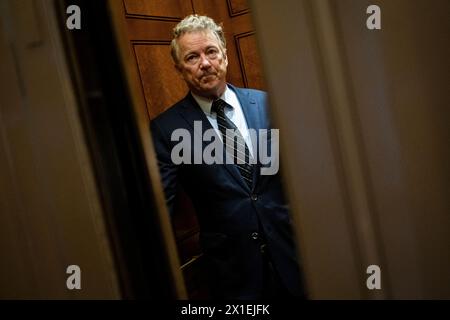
(234,143)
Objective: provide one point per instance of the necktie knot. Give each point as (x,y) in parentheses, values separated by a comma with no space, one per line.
(218,106)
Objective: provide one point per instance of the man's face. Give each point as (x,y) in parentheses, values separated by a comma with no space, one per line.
(202,62)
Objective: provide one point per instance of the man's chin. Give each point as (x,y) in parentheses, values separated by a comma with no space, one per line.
(209,83)
(213,90)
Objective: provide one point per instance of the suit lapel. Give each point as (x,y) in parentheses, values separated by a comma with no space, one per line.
(253,113)
(252,110)
(192,112)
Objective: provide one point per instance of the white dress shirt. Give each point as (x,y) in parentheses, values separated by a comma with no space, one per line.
(235,114)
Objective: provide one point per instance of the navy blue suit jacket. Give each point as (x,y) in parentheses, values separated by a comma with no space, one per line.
(231,214)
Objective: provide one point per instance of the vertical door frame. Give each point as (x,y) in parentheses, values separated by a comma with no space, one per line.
(130,72)
(326,175)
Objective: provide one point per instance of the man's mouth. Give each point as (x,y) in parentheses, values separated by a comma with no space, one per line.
(207,76)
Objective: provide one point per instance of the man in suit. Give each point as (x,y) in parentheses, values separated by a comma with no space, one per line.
(244,222)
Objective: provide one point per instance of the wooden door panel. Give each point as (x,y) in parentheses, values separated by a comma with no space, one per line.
(249,61)
(159,9)
(161,83)
(237,7)
(149,30)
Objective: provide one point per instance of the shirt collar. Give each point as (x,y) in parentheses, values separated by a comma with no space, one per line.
(206,104)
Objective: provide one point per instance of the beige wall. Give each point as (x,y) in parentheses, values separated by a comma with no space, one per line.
(50,214)
(367,156)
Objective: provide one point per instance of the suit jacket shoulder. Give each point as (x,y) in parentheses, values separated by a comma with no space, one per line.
(252,93)
(171,112)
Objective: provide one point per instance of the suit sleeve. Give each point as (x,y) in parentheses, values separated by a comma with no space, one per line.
(168,170)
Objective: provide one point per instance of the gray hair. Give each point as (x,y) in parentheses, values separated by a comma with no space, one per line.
(193,23)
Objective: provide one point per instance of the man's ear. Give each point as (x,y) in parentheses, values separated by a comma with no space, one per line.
(225,57)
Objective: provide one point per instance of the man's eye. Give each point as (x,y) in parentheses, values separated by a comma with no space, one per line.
(212,52)
(191,58)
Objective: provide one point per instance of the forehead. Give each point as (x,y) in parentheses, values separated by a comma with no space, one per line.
(197,39)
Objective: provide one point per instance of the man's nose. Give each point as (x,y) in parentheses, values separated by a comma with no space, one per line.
(204,61)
